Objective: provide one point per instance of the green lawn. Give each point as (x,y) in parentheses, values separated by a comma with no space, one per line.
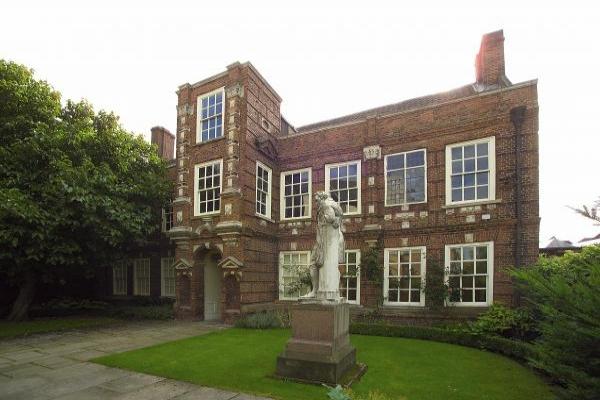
(14,329)
(243,360)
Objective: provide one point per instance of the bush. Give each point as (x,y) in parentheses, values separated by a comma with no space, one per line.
(518,350)
(510,323)
(159,312)
(564,292)
(260,320)
(68,306)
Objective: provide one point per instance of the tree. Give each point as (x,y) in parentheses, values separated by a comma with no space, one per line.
(563,294)
(590,212)
(77,191)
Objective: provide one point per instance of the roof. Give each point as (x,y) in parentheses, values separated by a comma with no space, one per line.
(463,92)
(559,244)
(406,105)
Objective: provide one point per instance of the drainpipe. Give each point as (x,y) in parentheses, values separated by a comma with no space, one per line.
(517,117)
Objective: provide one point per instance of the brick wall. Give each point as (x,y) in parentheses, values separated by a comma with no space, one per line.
(252,124)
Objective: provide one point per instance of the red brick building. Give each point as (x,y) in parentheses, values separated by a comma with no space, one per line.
(445,182)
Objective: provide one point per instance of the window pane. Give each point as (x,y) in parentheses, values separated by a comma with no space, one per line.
(469,193)
(467,296)
(456,153)
(457,167)
(482,178)
(482,192)
(455,254)
(480,296)
(404,296)
(469,151)
(415,159)
(467,282)
(467,253)
(456,194)
(482,149)
(481,267)
(470,165)
(482,163)
(395,162)
(415,296)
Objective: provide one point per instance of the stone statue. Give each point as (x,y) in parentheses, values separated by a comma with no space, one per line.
(328,251)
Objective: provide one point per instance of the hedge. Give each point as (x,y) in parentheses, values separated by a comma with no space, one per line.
(518,350)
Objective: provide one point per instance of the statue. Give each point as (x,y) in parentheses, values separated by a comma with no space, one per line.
(328,251)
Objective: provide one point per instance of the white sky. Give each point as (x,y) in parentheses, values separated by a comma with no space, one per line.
(327,59)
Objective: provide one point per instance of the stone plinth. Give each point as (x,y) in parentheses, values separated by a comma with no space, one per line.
(319,349)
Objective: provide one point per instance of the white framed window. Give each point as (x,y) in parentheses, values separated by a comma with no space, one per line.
(210,110)
(470,273)
(406,178)
(296,193)
(207,185)
(342,182)
(141,277)
(350,277)
(167,277)
(404,272)
(167,218)
(119,272)
(471,171)
(263,190)
(290,264)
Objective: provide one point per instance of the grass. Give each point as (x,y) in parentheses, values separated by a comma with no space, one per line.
(43,325)
(244,359)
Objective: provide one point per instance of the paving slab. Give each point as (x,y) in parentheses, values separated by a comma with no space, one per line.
(163,390)
(132,382)
(206,393)
(91,393)
(55,366)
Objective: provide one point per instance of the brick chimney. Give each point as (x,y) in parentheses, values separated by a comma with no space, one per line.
(165,141)
(489,63)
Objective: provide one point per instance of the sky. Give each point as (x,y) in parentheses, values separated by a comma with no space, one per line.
(327,59)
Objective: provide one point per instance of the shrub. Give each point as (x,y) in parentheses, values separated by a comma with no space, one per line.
(260,320)
(160,312)
(371,265)
(68,306)
(435,288)
(518,350)
(564,291)
(507,322)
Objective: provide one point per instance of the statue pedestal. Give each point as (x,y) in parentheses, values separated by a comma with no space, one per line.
(319,349)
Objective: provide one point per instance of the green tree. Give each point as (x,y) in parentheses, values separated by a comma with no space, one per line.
(76,190)
(564,294)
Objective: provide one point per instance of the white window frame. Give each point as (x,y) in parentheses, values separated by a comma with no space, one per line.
(345,276)
(490,273)
(199,115)
(196,194)
(281,269)
(137,290)
(269,188)
(358,181)
(122,265)
(385,173)
(166,265)
(386,275)
(165,217)
(491,141)
(282,176)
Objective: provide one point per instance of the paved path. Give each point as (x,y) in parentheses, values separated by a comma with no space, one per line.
(54,365)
